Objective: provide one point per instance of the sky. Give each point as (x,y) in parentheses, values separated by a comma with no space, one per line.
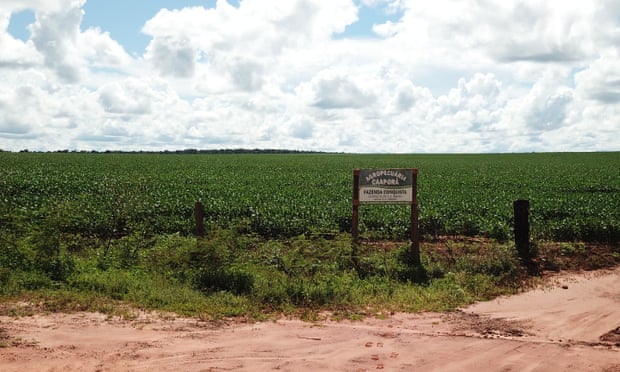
(358,76)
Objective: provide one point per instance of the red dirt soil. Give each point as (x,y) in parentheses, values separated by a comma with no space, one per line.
(572,323)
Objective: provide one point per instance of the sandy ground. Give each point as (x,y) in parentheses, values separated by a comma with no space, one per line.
(572,324)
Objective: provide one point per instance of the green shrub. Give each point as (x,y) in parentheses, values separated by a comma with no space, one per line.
(233,280)
(113,283)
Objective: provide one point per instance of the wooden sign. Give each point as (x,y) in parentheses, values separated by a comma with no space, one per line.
(386,186)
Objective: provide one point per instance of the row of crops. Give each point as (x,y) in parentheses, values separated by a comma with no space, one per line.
(573,196)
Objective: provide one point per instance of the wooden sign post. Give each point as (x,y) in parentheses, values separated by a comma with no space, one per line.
(387,186)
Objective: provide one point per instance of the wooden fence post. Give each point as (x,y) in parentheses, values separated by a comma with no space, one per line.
(522,229)
(356,205)
(355,218)
(415,233)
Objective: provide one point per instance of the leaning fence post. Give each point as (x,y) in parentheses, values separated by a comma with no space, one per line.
(199,214)
(522,229)
(415,231)
(355,218)
(356,204)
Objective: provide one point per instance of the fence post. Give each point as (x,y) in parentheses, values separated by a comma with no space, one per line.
(415,233)
(356,204)
(199,214)
(355,218)
(522,229)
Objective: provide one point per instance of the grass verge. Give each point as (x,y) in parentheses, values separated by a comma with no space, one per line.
(229,275)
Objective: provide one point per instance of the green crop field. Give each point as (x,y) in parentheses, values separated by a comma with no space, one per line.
(104,222)
(572,196)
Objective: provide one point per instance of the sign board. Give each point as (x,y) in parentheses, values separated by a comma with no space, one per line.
(386,186)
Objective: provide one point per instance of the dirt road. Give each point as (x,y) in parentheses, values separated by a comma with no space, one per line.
(572,324)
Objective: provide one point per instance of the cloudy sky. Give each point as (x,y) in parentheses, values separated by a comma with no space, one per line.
(397,76)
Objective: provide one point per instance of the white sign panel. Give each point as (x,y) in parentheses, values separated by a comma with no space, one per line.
(389,186)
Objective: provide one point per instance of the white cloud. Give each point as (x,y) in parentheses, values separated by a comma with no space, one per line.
(302,129)
(235,38)
(601,81)
(172,56)
(406,95)
(129,97)
(15,53)
(472,31)
(55,36)
(448,76)
(101,50)
(331,89)
(38,115)
(246,74)
(56,42)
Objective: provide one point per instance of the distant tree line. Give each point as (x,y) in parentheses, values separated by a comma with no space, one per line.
(185,151)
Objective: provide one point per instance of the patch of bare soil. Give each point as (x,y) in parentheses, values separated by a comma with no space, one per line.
(571,323)
(476,325)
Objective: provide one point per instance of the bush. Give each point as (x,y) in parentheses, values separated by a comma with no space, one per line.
(233,280)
